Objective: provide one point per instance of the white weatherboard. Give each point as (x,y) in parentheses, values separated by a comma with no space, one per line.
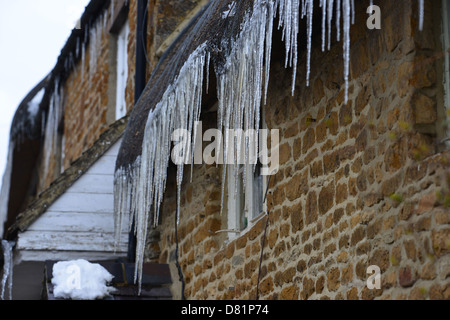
(80,223)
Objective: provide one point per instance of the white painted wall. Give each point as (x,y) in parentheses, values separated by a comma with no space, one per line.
(80,223)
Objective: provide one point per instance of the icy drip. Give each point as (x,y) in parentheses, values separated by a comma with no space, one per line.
(323,5)
(289,19)
(55,113)
(308,11)
(345,11)
(421,14)
(83,59)
(140,188)
(346,6)
(7,279)
(92,42)
(241,85)
(95,42)
(329,20)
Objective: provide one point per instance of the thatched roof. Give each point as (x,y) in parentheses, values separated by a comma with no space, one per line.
(207,27)
(26,124)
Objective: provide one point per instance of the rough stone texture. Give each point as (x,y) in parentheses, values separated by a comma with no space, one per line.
(361,185)
(89,97)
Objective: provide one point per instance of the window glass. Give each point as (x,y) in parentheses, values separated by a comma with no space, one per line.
(122,71)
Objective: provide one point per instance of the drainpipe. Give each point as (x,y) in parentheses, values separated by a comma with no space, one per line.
(140,81)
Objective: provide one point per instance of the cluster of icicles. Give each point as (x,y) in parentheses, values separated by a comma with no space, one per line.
(92,41)
(50,129)
(241,89)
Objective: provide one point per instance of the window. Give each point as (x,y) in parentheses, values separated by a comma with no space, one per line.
(245,205)
(245,199)
(118,60)
(122,70)
(236,200)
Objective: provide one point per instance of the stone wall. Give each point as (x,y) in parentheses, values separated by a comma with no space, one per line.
(363,183)
(89,94)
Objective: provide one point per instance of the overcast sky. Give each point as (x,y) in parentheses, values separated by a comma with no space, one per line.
(32,34)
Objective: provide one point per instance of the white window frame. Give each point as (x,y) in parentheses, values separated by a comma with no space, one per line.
(242,214)
(122,70)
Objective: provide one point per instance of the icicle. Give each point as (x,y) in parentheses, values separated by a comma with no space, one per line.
(269,31)
(421,14)
(338,20)
(8,264)
(140,189)
(112,13)
(241,86)
(208,60)
(92,51)
(309,14)
(77,48)
(329,19)
(347,20)
(71,63)
(353,11)
(105,20)
(95,42)
(55,113)
(323,5)
(288,18)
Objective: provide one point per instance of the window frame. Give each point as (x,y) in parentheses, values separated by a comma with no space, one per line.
(119,10)
(121,71)
(236,199)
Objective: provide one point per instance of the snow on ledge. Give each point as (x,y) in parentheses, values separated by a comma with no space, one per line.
(80,280)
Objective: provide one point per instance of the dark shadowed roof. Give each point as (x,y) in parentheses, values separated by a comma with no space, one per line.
(25,124)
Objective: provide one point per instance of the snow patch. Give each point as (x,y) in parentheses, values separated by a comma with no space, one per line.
(80,280)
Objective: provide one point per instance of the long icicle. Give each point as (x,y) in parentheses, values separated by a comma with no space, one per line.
(421,14)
